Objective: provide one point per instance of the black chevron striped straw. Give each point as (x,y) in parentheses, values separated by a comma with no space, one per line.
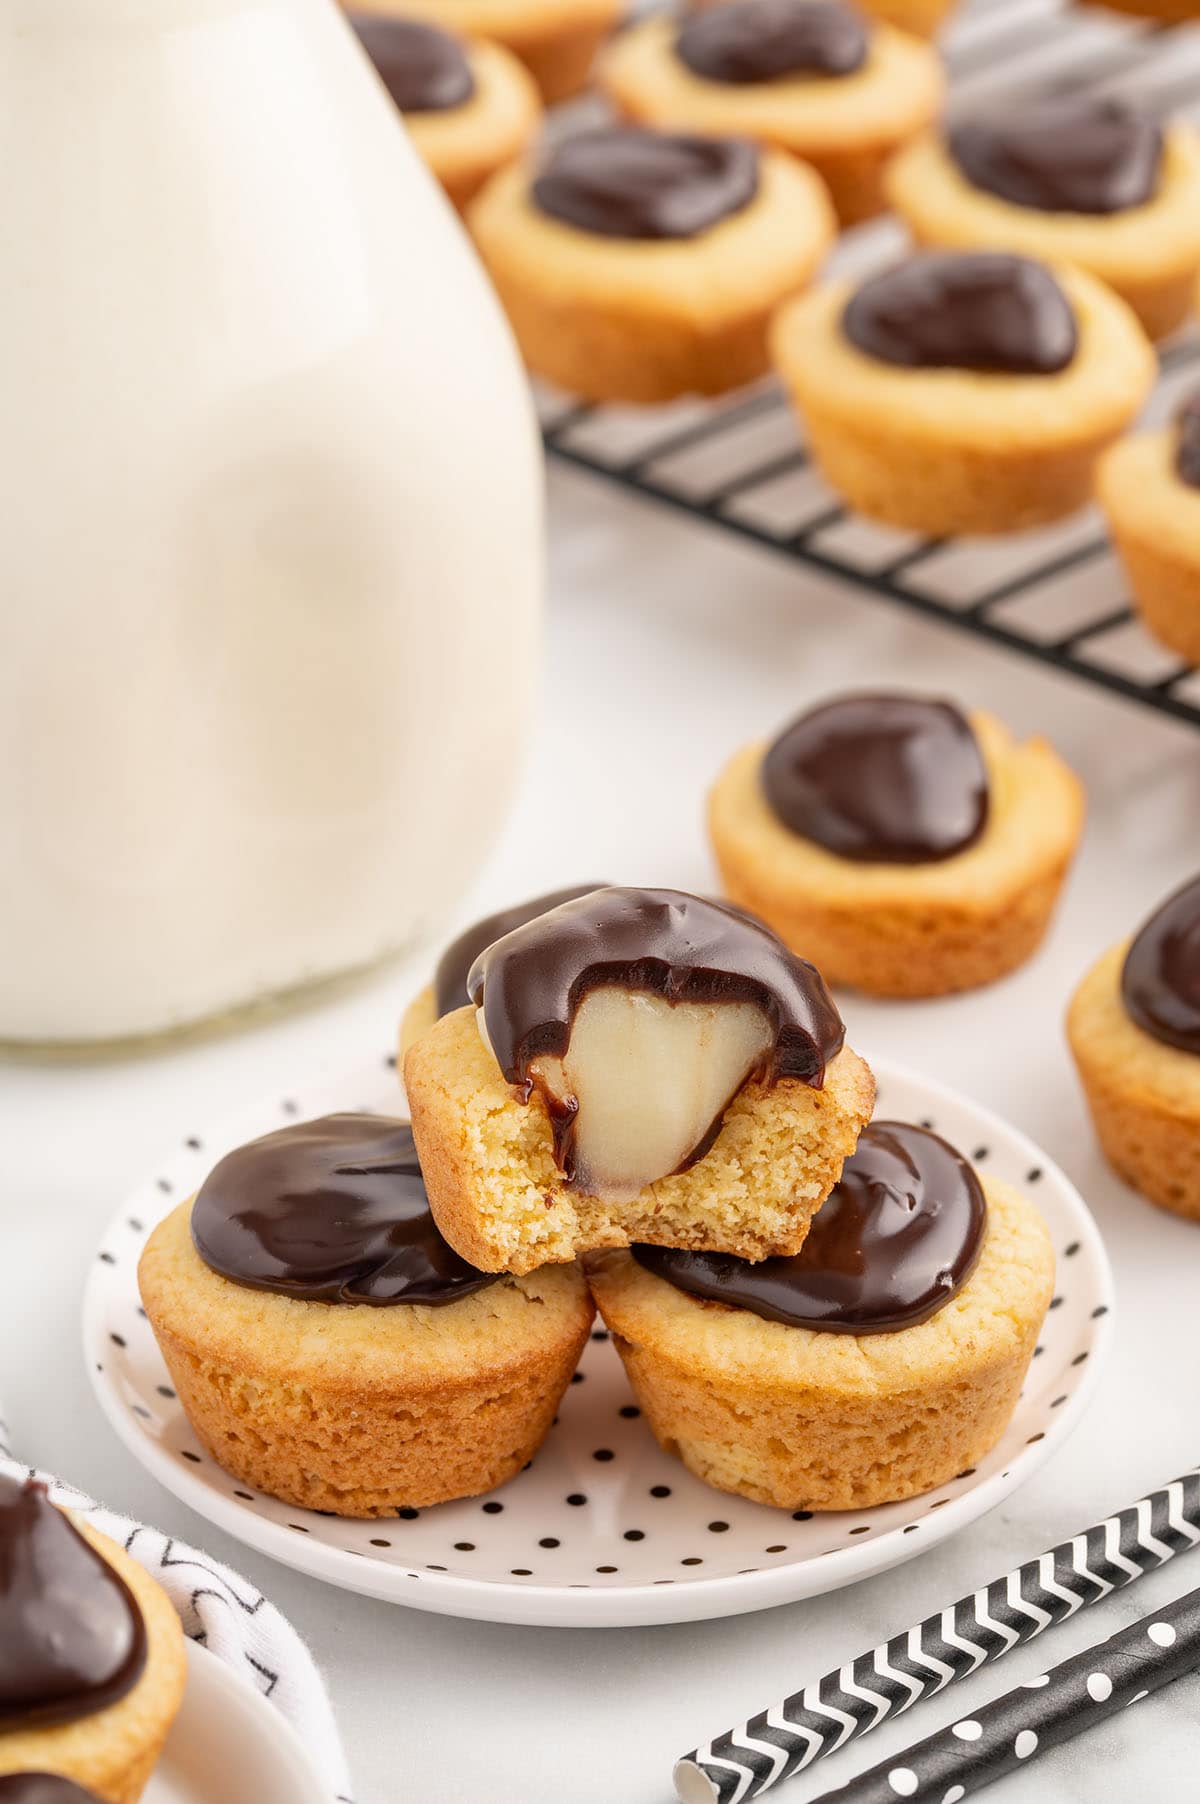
(922,1661)
(1039,1715)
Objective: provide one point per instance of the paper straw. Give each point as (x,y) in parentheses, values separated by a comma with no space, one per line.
(1066,1701)
(983,1626)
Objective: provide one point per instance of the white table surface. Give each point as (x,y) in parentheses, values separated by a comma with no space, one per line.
(669,646)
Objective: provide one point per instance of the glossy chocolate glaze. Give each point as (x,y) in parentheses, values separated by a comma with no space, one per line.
(1086,155)
(424,69)
(42,1788)
(1160,982)
(623,181)
(1187,446)
(450,979)
(72,1639)
(330,1211)
(744,41)
(965,310)
(897,1237)
(882,779)
(679,947)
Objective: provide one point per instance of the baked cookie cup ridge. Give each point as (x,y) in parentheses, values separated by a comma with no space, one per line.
(1143,1096)
(1154,519)
(114,1751)
(355,1408)
(805,1420)
(1148,254)
(909,930)
(499,1199)
(946,451)
(644,320)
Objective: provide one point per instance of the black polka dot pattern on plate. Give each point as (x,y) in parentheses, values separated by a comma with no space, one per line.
(603,1510)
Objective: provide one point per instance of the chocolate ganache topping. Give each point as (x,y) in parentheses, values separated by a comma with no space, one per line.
(450,979)
(761,40)
(1187,450)
(622,181)
(72,1639)
(330,1211)
(882,779)
(1062,156)
(972,310)
(897,1236)
(42,1788)
(1160,982)
(665,945)
(424,69)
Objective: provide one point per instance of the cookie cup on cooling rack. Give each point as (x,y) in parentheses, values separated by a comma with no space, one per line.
(360,1409)
(1154,519)
(1148,254)
(114,1751)
(641,320)
(556,40)
(500,1200)
(909,929)
(821,1421)
(1143,1095)
(957,451)
(847,127)
(465,145)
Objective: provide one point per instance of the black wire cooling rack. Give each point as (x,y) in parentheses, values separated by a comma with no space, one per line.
(1055,594)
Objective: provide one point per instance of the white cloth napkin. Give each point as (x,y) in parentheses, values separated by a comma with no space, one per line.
(229,1615)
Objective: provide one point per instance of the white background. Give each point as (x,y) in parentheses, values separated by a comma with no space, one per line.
(668,647)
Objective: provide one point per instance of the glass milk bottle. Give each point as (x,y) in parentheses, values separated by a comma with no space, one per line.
(270,518)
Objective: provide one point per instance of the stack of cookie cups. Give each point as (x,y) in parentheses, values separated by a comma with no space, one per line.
(597,1049)
(639,1097)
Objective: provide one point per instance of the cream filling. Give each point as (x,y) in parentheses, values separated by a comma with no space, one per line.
(647,1078)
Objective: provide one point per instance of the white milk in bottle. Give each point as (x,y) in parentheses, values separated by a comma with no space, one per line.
(270,518)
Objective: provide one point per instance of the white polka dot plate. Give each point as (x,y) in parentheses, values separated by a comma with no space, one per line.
(228,1742)
(603,1528)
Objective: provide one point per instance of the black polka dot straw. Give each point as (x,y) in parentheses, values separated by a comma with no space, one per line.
(1040,1714)
(948,1645)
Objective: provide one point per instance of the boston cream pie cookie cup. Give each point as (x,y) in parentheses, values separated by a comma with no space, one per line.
(967,910)
(1149,488)
(1084,182)
(448,990)
(352,1363)
(104,1643)
(846,1414)
(810,77)
(1134,1032)
(470,107)
(991,386)
(644,1065)
(640,266)
(556,40)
